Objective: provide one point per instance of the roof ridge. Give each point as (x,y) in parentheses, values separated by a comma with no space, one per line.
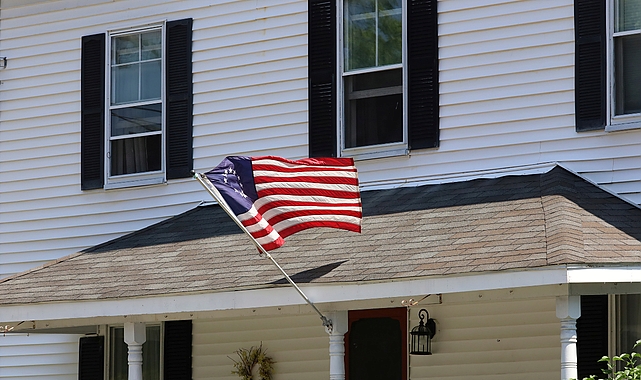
(562,216)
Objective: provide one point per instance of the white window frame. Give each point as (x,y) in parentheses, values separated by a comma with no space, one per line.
(108,359)
(614,122)
(146,178)
(615,325)
(379,150)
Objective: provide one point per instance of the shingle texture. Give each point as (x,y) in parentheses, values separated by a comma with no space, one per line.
(512,222)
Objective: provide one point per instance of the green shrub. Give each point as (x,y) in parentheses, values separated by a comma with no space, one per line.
(631,367)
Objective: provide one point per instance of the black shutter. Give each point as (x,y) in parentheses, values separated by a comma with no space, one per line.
(92,119)
(179,99)
(322,78)
(91,362)
(177,355)
(592,335)
(590,64)
(422,66)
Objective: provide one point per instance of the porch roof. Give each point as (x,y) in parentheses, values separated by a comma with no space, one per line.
(483,225)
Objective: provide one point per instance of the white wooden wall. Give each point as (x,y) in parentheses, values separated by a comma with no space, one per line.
(497,340)
(38,357)
(516,339)
(298,344)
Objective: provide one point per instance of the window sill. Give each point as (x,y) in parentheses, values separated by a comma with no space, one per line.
(134,183)
(379,151)
(623,126)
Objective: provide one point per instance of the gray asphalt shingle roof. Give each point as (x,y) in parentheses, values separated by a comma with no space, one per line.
(512,222)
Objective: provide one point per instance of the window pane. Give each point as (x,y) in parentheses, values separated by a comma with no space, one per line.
(117,355)
(373,108)
(136,155)
(360,34)
(373,121)
(125,49)
(151,354)
(390,32)
(373,33)
(150,80)
(124,83)
(630,322)
(132,120)
(627,74)
(151,45)
(628,15)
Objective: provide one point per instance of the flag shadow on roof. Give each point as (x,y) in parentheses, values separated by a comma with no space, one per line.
(309,275)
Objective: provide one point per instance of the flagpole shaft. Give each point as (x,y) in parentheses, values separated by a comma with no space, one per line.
(221,201)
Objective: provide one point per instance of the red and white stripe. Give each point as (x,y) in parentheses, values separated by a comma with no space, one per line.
(297,195)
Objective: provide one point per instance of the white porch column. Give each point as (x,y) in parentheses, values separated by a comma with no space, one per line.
(568,310)
(337,345)
(135,336)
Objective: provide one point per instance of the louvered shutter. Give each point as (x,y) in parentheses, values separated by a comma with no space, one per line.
(92,119)
(322,78)
(422,66)
(592,335)
(177,350)
(91,361)
(179,99)
(590,64)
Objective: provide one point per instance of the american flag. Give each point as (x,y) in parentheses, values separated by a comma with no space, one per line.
(274,197)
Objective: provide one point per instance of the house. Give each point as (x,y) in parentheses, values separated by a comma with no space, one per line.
(497,144)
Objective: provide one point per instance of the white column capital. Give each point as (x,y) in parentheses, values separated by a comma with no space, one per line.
(568,307)
(135,333)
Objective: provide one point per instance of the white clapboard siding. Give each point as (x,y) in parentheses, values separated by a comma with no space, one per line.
(516,339)
(298,344)
(498,339)
(252,96)
(38,356)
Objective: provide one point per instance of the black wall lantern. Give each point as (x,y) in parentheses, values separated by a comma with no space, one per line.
(422,335)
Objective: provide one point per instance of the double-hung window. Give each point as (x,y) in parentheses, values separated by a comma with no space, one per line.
(373,77)
(626,62)
(372,72)
(136,102)
(136,123)
(607,64)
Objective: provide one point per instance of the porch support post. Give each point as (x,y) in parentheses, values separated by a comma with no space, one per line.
(337,345)
(135,336)
(568,310)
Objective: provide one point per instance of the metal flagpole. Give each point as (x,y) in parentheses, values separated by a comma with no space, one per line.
(221,201)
